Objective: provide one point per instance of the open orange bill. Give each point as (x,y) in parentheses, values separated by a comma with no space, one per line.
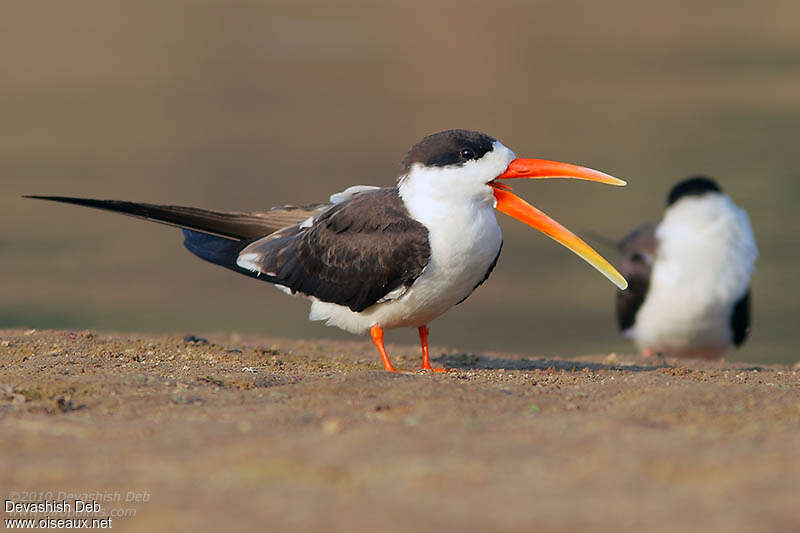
(513,205)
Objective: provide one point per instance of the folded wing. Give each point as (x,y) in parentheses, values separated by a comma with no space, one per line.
(352,254)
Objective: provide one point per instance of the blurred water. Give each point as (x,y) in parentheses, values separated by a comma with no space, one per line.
(244,105)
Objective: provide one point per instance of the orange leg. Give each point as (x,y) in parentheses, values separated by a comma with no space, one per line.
(377,337)
(426,362)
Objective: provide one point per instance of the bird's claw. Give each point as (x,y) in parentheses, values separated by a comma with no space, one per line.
(426,369)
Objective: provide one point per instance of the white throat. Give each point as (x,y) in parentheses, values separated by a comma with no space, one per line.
(429,192)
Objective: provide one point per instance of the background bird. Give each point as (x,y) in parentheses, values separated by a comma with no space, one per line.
(689,275)
(384,257)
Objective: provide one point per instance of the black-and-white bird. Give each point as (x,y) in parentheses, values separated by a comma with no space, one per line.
(689,275)
(384,257)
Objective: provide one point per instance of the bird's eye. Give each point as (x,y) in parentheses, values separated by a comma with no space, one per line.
(637,258)
(467,154)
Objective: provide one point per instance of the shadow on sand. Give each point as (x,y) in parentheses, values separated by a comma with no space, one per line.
(467,361)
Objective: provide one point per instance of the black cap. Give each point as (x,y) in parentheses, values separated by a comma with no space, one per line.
(694,186)
(448,148)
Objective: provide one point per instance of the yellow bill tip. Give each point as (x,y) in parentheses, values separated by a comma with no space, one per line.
(617,279)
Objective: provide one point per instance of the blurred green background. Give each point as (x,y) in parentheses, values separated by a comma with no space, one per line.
(243,105)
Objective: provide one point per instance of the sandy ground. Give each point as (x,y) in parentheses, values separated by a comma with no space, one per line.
(257,433)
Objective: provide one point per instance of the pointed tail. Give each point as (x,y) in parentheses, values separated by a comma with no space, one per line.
(231,225)
(213,236)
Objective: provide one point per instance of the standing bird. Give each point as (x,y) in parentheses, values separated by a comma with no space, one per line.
(689,275)
(384,257)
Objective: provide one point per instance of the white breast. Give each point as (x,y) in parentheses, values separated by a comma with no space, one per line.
(705,256)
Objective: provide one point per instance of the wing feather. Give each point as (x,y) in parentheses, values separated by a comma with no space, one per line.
(354,254)
(638,252)
(740,319)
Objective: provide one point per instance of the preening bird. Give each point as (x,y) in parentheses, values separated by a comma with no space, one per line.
(689,275)
(375,258)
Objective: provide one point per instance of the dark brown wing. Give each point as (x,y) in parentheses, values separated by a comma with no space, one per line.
(353,254)
(740,319)
(638,252)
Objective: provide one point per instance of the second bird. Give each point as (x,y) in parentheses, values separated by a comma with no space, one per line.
(689,275)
